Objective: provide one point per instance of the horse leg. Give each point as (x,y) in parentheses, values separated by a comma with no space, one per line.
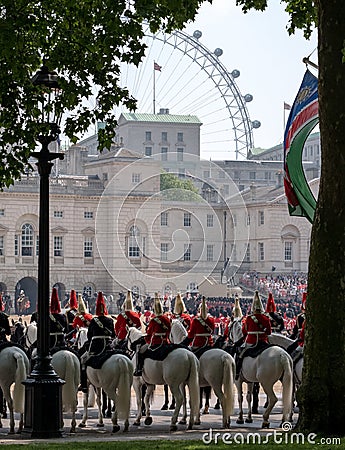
(7,395)
(166,398)
(149,390)
(183,421)
(272,400)
(256,389)
(238,384)
(116,426)
(178,394)
(207,390)
(138,389)
(99,404)
(85,405)
(143,392)
(250,387)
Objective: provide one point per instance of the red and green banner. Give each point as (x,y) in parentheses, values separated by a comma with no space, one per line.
(302,119)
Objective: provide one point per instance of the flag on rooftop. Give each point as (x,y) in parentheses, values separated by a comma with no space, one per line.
(303,117)
(157,67)
(287,106)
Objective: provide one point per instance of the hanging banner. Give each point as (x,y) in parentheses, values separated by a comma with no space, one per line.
(302,119)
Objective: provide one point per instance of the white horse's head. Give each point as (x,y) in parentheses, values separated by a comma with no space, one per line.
(30,334)
(178,332)
(133,336)
(235,330)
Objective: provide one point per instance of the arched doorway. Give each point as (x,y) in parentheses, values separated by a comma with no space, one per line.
(29,286)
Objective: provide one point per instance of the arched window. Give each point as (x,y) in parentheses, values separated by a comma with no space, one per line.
(134,242)
(27,240)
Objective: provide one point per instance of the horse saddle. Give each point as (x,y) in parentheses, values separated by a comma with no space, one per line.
(253,352)
(198,352)
(10,344)
(161,352)
(97,361)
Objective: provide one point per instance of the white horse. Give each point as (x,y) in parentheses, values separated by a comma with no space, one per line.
(14,368)
(284,342)
(178,369)
(217,369)
(67,366)
(115,377)
(271,365)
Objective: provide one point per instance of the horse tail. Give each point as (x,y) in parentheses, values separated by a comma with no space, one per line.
(72,379)
(287,382)
(123,406)
(21,375)
(193,385)
(228,381)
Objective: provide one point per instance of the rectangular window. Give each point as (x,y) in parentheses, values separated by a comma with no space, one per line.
(88,247)
(133,250)
(209,220)
(179,137)
(179,154)
(248,220)
(147,136)
(148,151)
(182,173)
(88,214)
(164,136)
(252,175)
(58,214)
(135,178)
(221,174)
(164,219)
(288,251)
(2,212)
(206,174)
(187,252)
(261,218)
(236,175)
(37,245)
(187,219)
(164,153)
(268,176)
(164,251)
(2,246)
(261,251)
(58,246)
(209,252)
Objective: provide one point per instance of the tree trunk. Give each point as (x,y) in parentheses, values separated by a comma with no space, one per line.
(322,395)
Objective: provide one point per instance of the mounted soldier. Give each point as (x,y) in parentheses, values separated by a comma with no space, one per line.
(101,330)
(81,320)
(298,331)
(201,330)
(57,323)
(71,310)
(300,318)
(180,312)
(277,321)
(157,335)
(127,318)
(255,329)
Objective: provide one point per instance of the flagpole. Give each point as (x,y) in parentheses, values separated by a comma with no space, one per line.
(154,90)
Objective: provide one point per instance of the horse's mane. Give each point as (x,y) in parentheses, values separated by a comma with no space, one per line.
(134,333)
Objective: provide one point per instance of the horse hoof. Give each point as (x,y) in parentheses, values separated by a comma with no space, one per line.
(173,427)
(100,425)
(148,421)
(165,407)
(172,406)
(116,428)
(4,416)
(82,425)
(197,422)
(255,411)
(183,422)
(217,406)
(265,425)
(240,421)
(126,430)
(249,420)
(136,424)
(190,427)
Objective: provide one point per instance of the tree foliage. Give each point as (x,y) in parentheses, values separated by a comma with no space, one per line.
(85,43)
(173,188)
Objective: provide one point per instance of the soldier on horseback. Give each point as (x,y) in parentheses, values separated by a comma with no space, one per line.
(57,323)
(127,318)
(298,332)
(72,310)
(180,312)
(277,321)
(201,330)
(101,330)
(5,329)
(82,319)
(255,329)
(157,334)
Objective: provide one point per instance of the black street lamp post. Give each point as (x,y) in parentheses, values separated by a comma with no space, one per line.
(43,387)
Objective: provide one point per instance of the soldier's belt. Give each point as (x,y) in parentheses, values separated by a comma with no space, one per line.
(203,334)
(256,332)
(159,334)
(100,337)
(58,333)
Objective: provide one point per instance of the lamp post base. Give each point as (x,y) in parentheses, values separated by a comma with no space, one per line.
(43,407)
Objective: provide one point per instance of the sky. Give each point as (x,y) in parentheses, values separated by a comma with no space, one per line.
(270,61)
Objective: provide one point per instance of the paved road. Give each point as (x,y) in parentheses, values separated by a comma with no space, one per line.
(158,430)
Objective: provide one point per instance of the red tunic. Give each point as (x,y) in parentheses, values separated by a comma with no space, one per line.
(82,320)
(301,335)
(256,328)
(124,320)
(201,331)
(158,331)
(185,319)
